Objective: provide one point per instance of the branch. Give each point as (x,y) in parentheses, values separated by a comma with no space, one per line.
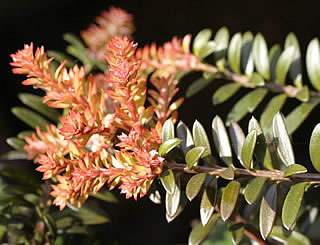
(289,90)
(276,175)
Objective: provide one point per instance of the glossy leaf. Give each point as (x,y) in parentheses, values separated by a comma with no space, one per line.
(208,201)
(154,195)
(275,105)
(268,209)
(167,130)
(294,169)
(303,94)
(221,141)
(207,50)
(253,189)
(173,200)
(292,238)
(168,180)
(182,204)
(237,139)
(222,39)
(295,68)
(168,145)
(248,149)
(282,141)
(246,104)
(283,65)
(225,92)
(234,53)
(260,56)
(194,185)
(185,135)
(200,232)
(16,143)
(292,205)
(237,231)
(313,63)
(246,53)
(274,55)
(30,118)
(314,147)
(229,199)
(296,117)
(193,156)
(261,149)
(228,174)
(256,79)
(197,86)
(200,138)
(201,40)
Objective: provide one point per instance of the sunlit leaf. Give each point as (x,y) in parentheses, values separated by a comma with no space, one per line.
(200,138)
(313,63)
(173,200)
(293,238)
(246,104)
(234,53)
(222,39)
(295,68)
(228,174)
(314,147)
(253,189)
(168,145)
(268,211)
(194,185)
(221,141)
(256,79)
(16,143)
(167,130)
(193,156)
(260,56)
(248,149)
(237,230)
(185,135)
(225,92)
(201,40)
(292,205)
(237,139)
(294,169)
(283,65)
(274,55)
(168,180)
(183,202)
(154,195)
(303,94)
(246,53)
(207,50)
(229,199)
(200,232)
(208,201)
(282,141)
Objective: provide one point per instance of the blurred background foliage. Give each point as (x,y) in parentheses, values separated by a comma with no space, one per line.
(44,22)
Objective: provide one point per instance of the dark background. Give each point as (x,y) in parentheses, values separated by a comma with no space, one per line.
(44,22)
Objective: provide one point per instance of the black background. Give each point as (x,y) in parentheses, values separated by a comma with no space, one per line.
(44,22)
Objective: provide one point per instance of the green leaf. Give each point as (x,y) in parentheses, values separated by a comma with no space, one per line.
(168,145)
(237,139)
(185,135)
(283,65)
(193,156)
(208,201)
(295,68)
(261,149)
(208,49)
(246,104)
(292,205)
(35,102)
(228,174)
(282,141)
(30,118)
(296,117)
(292,238)
(168,180)
(222,40)
(182,204)
(61,57)
(274,55)
(275,105)
(201,40)
(253,189)
(173,200)
(313,63)
(246,53)
(105,195)
(294,169)
(260,56)
(197,86)
(221,141)
(91,215)
(167,130)
(200,232)
(200,138)
(194,185)
(234,53)
(237,230)
(303,94)
(13,155)
(248,149)
(225,92)
(16,143)
(26,133)
(256,79)
(268,211)
(154,195)
(314,147)
(229,199)
(307,219)
(74,40)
